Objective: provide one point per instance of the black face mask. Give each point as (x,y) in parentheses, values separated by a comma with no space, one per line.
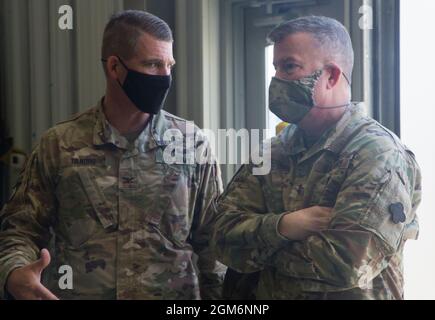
(147,92)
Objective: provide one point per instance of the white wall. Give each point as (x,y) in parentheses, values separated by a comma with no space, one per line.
(418,133)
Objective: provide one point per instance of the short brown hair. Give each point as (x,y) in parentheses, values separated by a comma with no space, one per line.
(124,28)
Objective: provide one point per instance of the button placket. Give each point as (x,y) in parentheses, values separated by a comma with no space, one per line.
(296,191)
(127,184)
(127,177)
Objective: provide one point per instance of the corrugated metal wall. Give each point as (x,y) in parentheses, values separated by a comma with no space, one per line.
(48,73)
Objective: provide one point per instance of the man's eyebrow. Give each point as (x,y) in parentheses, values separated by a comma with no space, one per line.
(157,61)
(286,60)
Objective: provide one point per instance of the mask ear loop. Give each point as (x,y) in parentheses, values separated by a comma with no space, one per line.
(350,86)
(336,107)
(347,79)
(126,68)
(123,64)
(120,60)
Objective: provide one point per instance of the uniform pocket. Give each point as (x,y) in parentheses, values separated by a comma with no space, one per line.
(329,186)
(83,210)
(274,188)
(170,210)
(104,211)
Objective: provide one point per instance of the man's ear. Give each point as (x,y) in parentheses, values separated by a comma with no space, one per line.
(112,64)
(334,74)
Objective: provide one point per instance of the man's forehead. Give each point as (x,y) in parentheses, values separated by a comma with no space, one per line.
(298,41)
(287,56)
(151,44)
(297,47)
(154,50)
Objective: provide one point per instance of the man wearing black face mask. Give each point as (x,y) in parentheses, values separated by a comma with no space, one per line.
(127,224)
(331,219)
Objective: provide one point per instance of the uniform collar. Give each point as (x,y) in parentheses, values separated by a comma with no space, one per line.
(150,138)
(333,140)
(337,137)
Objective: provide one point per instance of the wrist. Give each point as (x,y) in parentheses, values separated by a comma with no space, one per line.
(283,227)
(8,284)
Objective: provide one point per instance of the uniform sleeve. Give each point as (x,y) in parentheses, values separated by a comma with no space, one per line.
(246,234)
(25,219)
(211,272)
(374,208)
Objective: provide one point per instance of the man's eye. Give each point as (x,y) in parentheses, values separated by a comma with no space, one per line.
(158,66)
(289,67)
(152,65)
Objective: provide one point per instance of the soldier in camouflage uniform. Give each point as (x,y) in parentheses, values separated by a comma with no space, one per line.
(354,166)
(128,224)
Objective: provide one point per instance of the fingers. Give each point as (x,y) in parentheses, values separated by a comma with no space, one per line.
(320,224)
(322,212)
(42,262)
(318,228)
(324,222)
(45,257)
(42,293)
(325,210)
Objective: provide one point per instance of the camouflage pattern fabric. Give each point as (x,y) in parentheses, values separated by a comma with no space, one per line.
(291,101)
(129,225)
(358,168)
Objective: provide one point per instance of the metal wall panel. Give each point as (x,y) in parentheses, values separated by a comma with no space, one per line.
(16,66)
(50,73)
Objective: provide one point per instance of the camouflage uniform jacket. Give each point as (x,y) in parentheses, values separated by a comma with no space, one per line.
(129,225)
(358,168)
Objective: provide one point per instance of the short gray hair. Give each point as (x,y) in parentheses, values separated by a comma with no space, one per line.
(330,34)
(124,29)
